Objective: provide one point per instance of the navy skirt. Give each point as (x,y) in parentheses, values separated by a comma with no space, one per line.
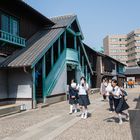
(120,105)
(73,101)
(83,100)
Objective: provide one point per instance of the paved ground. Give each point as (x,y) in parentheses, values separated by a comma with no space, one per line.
(55,123)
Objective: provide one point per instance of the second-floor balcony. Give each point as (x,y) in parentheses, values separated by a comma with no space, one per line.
(72,55)
(10,38)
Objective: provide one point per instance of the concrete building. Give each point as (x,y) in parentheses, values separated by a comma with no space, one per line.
(125,48)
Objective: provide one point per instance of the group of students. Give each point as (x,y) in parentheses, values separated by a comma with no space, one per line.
(116,96)
(78,95)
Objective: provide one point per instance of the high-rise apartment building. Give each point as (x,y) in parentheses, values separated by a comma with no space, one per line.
(125,48)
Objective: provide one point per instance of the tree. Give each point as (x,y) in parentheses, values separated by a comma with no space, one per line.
(101,50)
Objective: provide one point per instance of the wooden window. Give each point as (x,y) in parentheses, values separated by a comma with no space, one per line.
(4,23)
(9,24)
(14,26)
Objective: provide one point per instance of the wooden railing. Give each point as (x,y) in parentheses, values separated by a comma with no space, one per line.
(55,73)
(8,37)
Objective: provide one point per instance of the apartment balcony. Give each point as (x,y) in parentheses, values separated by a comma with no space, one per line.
(10,38)
(131,58)
(132,64)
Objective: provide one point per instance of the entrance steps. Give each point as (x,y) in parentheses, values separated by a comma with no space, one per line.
(42,105)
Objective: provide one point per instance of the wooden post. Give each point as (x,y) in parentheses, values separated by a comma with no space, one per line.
(43,78)
(65,40)
(79,54)
(86,71)
(34,88)
(82,60)
(83,67)
(59,51)
(52,57)
(75,42)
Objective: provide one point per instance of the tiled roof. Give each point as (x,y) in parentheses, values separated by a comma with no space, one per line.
(132,71)
(38,44)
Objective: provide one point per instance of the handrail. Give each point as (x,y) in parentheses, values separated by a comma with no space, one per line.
(52,77)
(8,37)
(86,55)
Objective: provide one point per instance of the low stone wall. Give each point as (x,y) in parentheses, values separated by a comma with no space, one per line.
(55,99)
(135,121)
(9,109)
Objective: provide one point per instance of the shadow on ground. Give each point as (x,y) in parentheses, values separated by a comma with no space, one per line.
(135,120)
(114,119)
(111,119)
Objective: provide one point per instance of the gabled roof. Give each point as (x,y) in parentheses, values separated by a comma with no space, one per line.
(132,70)
(103,55)
(65,21)
(38,44)
(111,58)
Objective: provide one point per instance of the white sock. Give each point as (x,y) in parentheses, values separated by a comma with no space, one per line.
(86,112)
(82,115)
(120,118)
(75,108)
(71,108)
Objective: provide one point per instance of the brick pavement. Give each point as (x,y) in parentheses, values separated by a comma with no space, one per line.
(54,122)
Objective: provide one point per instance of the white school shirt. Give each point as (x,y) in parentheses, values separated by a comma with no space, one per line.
(117,92)
(109,87)
(82,90)
(73,85)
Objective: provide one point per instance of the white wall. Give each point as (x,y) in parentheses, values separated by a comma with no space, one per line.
(19,84)
(3,84)
(61,85)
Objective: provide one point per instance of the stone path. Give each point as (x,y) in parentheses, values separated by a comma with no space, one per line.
(55,123)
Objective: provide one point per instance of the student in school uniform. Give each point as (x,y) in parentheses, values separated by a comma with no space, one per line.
(83,97)
(103,89)
(73,97)
(109,89)
(119,101)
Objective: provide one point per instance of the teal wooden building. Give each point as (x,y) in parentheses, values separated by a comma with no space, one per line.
(40,56)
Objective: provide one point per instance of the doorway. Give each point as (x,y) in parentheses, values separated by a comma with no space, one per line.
(71,74)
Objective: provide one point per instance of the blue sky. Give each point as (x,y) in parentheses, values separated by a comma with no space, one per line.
(97,18)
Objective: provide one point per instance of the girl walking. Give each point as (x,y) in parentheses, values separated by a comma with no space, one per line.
(103,89)
(73,97)
(83,97)
(119,101)
(109,89)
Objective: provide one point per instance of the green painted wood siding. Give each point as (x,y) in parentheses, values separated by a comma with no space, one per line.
(71,55)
